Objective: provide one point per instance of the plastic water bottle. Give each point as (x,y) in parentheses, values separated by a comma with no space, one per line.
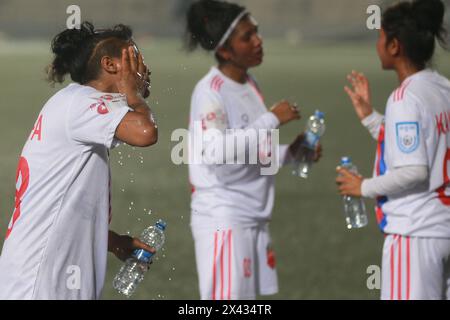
(315,128)
(133,270)
(354,207)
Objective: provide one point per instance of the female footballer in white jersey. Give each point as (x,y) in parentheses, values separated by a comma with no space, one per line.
(232,203)
(411,178)
(57,240)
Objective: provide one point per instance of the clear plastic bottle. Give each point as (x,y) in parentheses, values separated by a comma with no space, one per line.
(354,207)
(315,128)
(133,270)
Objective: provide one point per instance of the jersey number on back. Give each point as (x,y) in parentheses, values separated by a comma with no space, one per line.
(445,199)
(22,180)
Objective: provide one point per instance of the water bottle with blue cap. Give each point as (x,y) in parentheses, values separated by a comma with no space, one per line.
(315,128)
(354,207)
(133,270)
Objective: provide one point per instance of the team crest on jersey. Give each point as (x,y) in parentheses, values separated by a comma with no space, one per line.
(107,102)
(407,136)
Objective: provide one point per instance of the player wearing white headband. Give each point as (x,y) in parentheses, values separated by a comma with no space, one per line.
(232,204)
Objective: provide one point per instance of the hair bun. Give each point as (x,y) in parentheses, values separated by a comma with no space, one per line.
(430,15)
(70,41)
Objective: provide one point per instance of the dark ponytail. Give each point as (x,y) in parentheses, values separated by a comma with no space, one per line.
(207,22)
(78,52)
(416,25)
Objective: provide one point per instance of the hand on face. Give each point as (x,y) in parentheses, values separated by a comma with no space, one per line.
(133,74)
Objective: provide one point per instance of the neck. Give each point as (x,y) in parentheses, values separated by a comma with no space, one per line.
(102,86)
(234,72)
(405,69)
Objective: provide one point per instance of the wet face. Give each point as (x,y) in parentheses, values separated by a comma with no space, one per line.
(143,74)
(245,45)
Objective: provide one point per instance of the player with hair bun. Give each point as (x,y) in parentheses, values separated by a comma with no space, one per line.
(411,176)
(231,204)
(57,240)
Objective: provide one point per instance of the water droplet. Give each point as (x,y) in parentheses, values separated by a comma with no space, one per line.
(123,190)
(132,203)
(170,279)
(173,268)
(129,208)
(132,181)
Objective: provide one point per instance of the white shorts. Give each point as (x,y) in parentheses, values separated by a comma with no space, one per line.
(415,268)
(234,263)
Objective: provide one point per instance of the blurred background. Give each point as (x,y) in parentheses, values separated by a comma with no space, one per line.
(310,46)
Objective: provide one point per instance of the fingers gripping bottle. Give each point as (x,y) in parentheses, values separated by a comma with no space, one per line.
(354,207)
(315,128)
(133,270)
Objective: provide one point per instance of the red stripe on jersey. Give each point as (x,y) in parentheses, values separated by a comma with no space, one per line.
(392,267)
(216,83)
(402,93)
(408,268)
(213,81)
(229,264)
(219,84)
(214,267)
(221,265)
(399,289)
(255,87)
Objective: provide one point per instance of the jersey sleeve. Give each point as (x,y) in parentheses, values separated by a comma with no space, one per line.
(405,140)
(93,119)
(209,110)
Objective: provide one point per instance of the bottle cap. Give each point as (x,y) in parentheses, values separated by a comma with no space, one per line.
(346,160)
(319,114)
(161,224)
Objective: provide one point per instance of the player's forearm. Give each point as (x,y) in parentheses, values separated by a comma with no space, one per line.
(112,240)
(395,182)
(373,123)
(138,104)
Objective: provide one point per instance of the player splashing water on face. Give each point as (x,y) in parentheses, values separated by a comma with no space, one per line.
(59,228)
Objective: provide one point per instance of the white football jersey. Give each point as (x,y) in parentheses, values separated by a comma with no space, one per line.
(416,132)
(227,194)
(57,239)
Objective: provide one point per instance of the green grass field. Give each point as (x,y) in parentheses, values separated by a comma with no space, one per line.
(317,257)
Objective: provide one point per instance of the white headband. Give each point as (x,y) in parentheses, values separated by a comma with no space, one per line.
(233,25)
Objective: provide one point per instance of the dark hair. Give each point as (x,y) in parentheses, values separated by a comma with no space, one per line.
(416,25)
(207,22)
(78,52)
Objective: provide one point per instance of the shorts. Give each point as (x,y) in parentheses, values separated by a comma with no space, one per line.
(235,263)
(415,268)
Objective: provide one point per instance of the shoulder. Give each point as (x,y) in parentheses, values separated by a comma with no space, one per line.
(209,88)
